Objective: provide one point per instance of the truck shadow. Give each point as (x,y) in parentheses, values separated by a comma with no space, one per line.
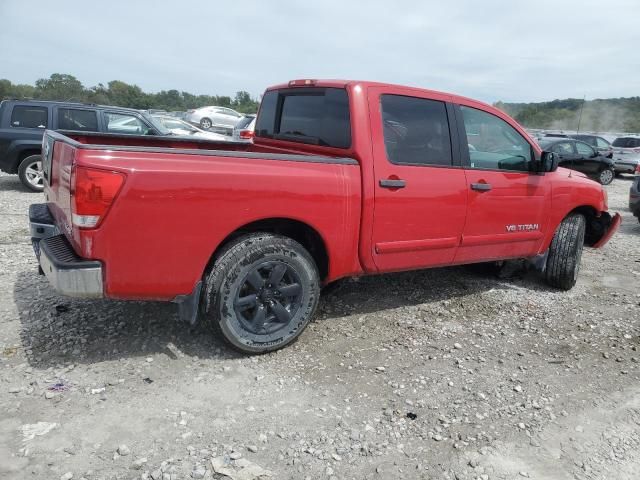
(57,330)
(11,183)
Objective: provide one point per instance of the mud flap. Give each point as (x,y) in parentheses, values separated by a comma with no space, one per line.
(188,305)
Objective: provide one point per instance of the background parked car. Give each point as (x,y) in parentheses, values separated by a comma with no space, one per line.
(218,118)
(244,129)
(185,129)
(602,145)
(22,123)
(577,155)
(626,154)
(634,195)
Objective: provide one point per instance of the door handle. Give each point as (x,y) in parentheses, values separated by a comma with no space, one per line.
(391,183)
(481,187)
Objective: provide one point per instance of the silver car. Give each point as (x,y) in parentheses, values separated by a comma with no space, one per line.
(626,154)
(243,131)
(184,129)
(214,117)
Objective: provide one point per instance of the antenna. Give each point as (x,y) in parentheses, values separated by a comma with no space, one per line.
(580,117)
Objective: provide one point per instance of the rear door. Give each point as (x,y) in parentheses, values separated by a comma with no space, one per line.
(507,205)
(420,188)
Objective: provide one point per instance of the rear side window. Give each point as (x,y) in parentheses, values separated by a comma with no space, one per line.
(74,119)
(318,116)
(626,142)
(29,117)
(416,131)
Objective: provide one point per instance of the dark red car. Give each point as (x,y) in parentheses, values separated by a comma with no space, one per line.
(343,178)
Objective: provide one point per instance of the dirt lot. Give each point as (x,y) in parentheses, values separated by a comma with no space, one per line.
(436,374)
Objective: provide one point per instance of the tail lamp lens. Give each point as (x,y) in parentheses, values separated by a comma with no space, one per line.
(246,134)
(92,193)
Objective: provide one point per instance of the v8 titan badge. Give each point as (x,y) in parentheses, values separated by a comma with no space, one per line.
(525,227)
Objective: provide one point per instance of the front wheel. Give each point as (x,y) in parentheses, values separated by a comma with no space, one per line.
(606,176)
(31,174)
(565,252)
(206,123)
(262,292)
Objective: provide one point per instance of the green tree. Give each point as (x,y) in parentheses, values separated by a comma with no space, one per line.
(60,86)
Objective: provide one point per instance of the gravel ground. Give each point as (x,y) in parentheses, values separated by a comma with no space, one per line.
(435,374)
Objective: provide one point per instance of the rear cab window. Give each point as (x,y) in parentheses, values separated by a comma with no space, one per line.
(316,116)
(26,116)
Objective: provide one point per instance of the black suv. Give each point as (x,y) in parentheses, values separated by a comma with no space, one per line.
(22,123)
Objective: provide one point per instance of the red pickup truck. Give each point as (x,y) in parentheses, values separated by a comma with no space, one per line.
(344,178)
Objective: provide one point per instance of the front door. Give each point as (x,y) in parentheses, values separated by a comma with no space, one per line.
(508,205)
(420,188)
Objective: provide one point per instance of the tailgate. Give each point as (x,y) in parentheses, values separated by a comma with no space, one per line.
(58,158)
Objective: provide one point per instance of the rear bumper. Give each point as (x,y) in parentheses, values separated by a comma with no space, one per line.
(68,273)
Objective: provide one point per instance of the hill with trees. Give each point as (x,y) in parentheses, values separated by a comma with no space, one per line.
(600,115)
(61,86)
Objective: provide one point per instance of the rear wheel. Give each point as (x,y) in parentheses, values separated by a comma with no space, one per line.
(31,174)
(565,252)
(606,176)
(206,123)
(262,292)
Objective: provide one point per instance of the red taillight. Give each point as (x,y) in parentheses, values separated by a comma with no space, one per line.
(638,169)
(246,134)
(92,193)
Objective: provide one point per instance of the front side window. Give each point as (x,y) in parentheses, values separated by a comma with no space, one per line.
(29,117)
(584,149)
(125,124)
(75,119)
(318,116)
(416,131)
(493,143)
(602,143)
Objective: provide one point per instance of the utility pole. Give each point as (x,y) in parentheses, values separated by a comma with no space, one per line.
(580,117)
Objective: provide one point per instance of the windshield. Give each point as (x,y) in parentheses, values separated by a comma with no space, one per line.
(156,124)
(175,124)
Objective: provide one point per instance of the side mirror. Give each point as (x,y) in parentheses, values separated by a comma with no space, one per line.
(549,162)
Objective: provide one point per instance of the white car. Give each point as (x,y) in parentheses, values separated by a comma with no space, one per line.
(214,117)
(184,129)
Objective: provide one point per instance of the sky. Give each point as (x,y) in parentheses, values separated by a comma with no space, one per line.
(514,51)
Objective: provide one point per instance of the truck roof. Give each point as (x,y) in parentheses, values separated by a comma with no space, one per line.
(341,83)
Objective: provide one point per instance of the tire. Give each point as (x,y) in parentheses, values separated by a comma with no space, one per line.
(30,173)
(206,123)
(565,252)
(606,176)
(245,297)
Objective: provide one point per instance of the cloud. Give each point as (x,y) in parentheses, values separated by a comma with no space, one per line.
(490,50)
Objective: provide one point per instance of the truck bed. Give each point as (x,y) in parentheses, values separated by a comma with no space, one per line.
(195,194)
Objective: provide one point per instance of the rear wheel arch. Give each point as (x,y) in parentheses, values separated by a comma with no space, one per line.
(301,232)
(22,154)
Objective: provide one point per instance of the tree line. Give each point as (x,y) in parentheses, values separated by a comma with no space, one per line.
(65,87)
(600,115)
